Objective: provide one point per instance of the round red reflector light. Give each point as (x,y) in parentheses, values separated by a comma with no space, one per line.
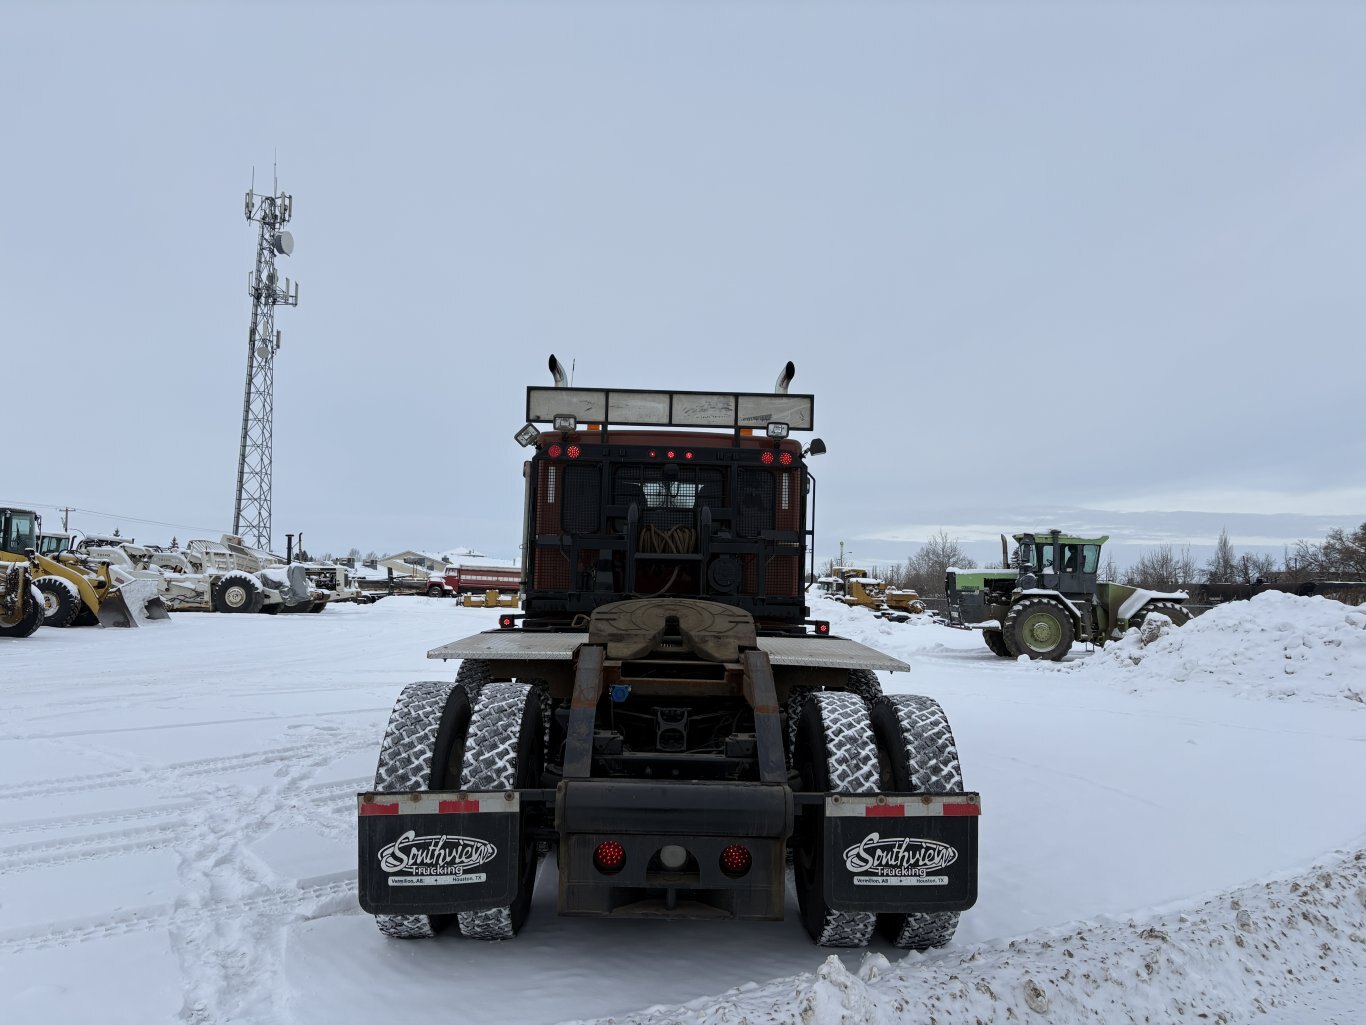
(822,628)
(505,622)
(653,453)
(785,458)
(670,453)
(766,459)
(574,452)
(609,856)
(554,451)
(735,860)
(687,455)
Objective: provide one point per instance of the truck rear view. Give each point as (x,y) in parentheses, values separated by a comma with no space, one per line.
(664,716)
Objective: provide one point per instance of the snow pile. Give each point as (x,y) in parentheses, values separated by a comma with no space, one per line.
(1240,956)
(1276,645)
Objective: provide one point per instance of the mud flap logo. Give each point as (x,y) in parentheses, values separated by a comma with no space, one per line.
(414,860)
(898,861)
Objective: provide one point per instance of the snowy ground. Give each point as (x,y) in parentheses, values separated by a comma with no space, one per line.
(1171,831)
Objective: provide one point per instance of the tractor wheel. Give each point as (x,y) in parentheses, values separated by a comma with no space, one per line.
(996,642)
(836,752)
(865,684)
(915,734)
(31,617)
(237,592)
(504,750)
(1039,628)
(61,600)
(422,749)
(1178,614)
(434,591)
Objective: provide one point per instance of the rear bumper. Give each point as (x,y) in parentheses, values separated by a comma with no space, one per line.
(676,847)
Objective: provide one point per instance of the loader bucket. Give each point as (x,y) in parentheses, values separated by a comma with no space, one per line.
(117,606)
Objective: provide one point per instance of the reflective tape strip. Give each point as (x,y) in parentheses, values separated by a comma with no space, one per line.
(902,806)
(438,802)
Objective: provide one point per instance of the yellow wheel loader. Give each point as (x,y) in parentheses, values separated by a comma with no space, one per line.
(74,591)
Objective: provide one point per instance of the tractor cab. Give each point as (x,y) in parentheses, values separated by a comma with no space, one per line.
(18,530)
(1058,562)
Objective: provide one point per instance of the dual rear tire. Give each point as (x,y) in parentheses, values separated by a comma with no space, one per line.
(900,743)
(468,734)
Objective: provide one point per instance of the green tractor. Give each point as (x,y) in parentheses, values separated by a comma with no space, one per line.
(1051,597)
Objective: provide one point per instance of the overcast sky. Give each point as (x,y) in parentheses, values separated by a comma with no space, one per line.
(1092,266)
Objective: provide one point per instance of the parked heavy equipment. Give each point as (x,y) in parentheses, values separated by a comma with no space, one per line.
(210,576)
(76,589)
(664,712)
(1052,597)
(21,605)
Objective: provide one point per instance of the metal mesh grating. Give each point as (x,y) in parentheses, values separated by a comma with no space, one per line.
(582,489)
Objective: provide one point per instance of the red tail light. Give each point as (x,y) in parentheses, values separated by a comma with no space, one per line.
(822,627)
(785,458)
(554,451)
(735,860)
(687,455)
(766,459)
(671,453)
(507,622)
(573,452)
(609,856)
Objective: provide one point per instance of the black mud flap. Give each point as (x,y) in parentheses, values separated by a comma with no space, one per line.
(437,852)
(901,852)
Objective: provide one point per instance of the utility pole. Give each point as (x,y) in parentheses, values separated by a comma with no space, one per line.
(251,513)
(66,513)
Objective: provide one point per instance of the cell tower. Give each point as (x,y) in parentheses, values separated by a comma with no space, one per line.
(251,514)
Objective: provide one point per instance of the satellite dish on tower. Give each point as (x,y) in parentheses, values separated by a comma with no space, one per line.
(283,243)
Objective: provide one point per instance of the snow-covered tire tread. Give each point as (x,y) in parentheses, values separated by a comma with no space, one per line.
(932,756)
(852,765)
(405,763)
(490,763)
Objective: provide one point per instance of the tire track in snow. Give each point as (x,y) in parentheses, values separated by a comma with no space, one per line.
(304,903)
(196,767)
(232,964)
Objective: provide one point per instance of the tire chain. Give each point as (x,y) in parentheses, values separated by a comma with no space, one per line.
(852,767)
(405,763)
(933,756)
(491,764)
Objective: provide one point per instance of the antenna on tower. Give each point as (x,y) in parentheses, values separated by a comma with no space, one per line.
(251,513)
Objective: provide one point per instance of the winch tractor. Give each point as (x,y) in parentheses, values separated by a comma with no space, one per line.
(1048,595)
(663,715)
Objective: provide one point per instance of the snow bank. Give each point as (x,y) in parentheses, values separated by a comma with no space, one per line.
(1276,645)
(1235,958)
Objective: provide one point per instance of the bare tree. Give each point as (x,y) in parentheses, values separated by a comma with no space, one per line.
(1224,564)
(924,571)
(1344,554)
(1162,569)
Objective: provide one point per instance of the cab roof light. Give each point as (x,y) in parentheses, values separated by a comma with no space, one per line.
(776,429)
(527,435)
(565,422)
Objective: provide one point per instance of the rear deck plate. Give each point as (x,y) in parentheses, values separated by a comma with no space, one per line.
(832,652)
